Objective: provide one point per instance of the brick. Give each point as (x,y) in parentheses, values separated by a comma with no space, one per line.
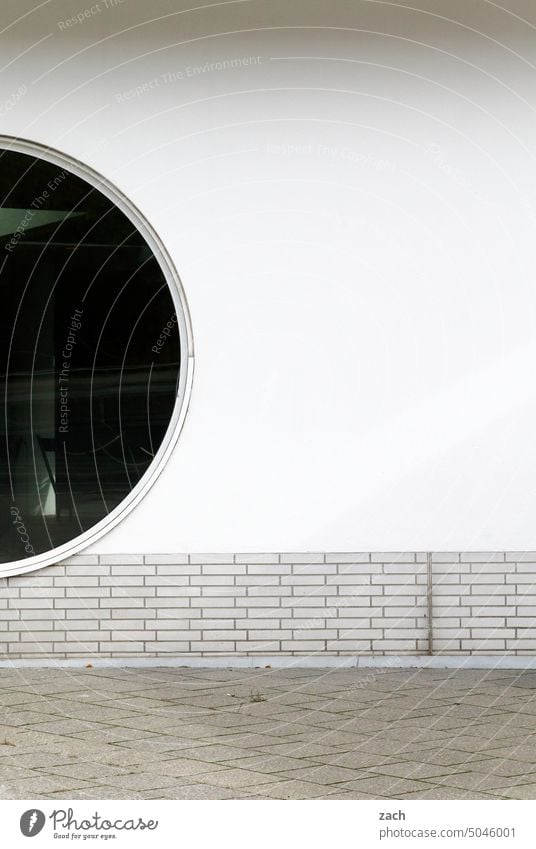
(355,580)
(260,624)
(210,635)
(211,558)
(52,571)
(393,580)
(81,613)
(485,634)
(83,637)
(86,581)
(269,592)
(408,633)
(30,580)
(85,570)
(455,590)
(319,591)
(122,580)
(316,633)
(487,577)
(138,570)
(86,592)
(303,645)
(74,603)
(348,557)
(271,569)
(168,559)
(179,613)
(314,569)
(129,613)
(40,592)
(175,603)
(81,560)
(404,568)
(484,601)
(402,599)
(121,559)
(307,557)
(75,649)
(400,612)
(229,592)
(9,592)
(179,571)
(520,578)
(521,556)
(482,557)
(261,601)
(121,645)
(26,646)
(349,645)
(80,625)
(484,621)
(446,622)
(270,634)
(208,603)
(453,633)
(260,647)
(356,623)
(489,589)
(131,592)
(173,581)
(250,559)
(396,645)
(223,569)
(523,568)
(172,592)
(302,580)
(258,580)
(211,580)
(361,633)
(392,557)
(446,578)
(117,603)
(451,568)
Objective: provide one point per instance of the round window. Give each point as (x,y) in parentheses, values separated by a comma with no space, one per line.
(95,356)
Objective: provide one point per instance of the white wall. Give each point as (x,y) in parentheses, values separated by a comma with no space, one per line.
(353,220)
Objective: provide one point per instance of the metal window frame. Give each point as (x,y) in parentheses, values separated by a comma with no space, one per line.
(184,390)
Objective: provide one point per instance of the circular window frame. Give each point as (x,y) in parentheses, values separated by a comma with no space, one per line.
(137,218)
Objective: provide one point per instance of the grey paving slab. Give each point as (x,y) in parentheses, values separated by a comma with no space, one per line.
(267,734)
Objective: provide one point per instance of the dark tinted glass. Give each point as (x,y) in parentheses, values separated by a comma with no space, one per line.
(89,356)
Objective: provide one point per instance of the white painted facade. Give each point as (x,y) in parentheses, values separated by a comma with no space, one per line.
(347,192)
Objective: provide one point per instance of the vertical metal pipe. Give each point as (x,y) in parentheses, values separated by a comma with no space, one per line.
(429,605)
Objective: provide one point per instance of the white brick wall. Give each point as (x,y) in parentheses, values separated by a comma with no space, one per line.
(269,604)
(484,604)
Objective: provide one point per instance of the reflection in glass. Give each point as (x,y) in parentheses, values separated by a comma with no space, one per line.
(89,356)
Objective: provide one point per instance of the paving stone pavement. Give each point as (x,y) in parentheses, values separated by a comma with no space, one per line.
(115,733)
